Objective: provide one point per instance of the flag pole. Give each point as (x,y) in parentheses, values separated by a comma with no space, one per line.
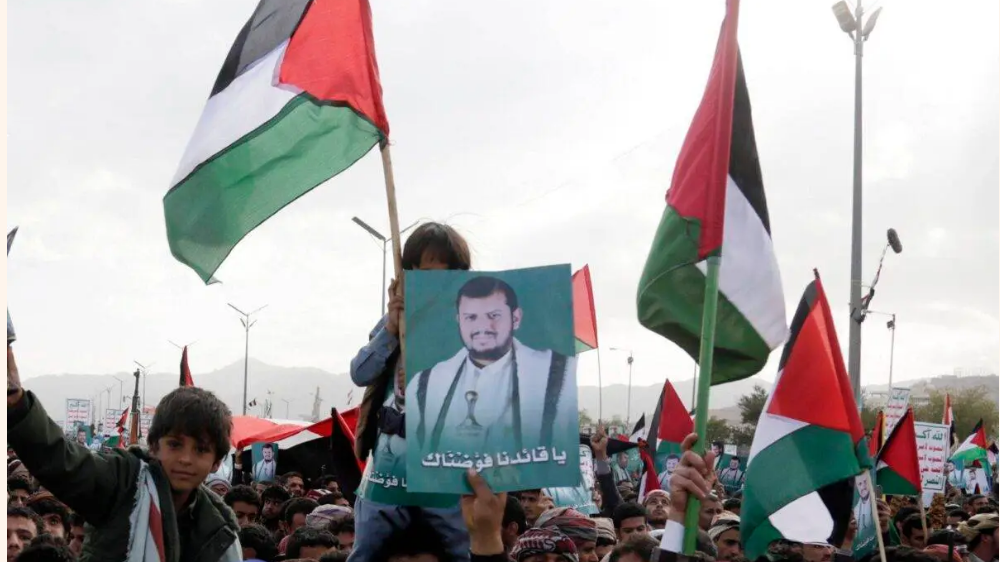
(704,385)
(600,391)
(878,524)
(923,513)
(397,249)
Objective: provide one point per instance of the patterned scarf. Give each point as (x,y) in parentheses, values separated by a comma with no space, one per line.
(145,541)
(544,541)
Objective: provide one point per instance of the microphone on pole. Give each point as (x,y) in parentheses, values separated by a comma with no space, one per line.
(894,242)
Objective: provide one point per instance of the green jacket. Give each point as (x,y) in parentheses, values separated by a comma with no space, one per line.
(102,489)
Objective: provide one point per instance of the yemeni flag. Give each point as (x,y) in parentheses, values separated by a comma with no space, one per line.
(878,434)
(809,444)
(948,419)
(716,207)
(897,465)
(297,101)
(185,379)
(668,427)
(973,448)
(584,314)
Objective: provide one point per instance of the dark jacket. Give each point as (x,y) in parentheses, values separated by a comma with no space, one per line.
(102,489)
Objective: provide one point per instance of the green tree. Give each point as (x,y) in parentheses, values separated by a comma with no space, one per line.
(751,405)
(585,420)
(718,430)
(969,406)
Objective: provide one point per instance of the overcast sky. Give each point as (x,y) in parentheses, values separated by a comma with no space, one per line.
(546,132)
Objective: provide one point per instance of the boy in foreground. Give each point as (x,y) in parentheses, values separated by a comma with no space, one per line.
(138,507)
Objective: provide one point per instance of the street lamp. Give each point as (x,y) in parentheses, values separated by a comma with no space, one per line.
(628,400)
(121,383)
(859,31)
(891,325)
(247,324)
(385,249)
(287,403)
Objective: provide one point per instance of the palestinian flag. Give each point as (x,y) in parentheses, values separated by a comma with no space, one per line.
(297,101)
(948,419)
(716,207)
(584,315)
(878,434)
(809,444)
(973,448)
(639,429)
(897,468)
(185,379)
(668,427)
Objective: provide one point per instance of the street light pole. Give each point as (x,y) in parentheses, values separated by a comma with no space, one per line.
(628,399)
(247,324)
(891,325)
(859,32)
(120,392)
(385,251)
(287,402)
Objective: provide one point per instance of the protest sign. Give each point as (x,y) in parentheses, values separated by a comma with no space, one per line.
(265,461)
(899,400)
(491,380)
(77,413)
(866,539)
(932,451)
(580,498)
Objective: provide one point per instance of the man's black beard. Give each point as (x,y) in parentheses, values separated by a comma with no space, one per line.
(481,358)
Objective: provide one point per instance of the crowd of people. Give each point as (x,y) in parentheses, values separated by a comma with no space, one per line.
(164,502)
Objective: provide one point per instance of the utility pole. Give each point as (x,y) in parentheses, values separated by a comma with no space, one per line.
(247,324)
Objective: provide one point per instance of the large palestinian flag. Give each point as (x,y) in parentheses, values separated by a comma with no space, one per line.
(809,444)
(297,101)
(716,206)
(897,468)
(584,315)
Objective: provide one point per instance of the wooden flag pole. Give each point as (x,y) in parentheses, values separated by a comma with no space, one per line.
(704,385)
(397,245)
(878,524)
(923,514)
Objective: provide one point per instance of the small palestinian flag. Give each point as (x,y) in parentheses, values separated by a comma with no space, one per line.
(878,434)
(668,427)
(298,101)
(185,379)
(716,207)
(809,444)
(584,315)
(897,469)
(948,419)
(973,448)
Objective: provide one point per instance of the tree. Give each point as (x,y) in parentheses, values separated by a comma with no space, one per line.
(969,406)
(717,430)
(586,422)
(751,405)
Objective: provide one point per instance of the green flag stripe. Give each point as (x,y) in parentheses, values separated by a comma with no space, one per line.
(236,190)
(581,347)
(795,465)
(671,297)
(894,484)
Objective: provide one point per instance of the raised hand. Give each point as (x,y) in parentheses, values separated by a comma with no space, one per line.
(692,476)
(483,513)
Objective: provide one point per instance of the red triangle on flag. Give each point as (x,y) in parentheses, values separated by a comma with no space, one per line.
(584,315)
(900,451)
(675,423)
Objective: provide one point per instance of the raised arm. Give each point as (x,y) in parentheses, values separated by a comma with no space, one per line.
(370,362)
(89,484)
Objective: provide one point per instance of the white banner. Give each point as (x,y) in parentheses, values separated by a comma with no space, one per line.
(77,412)
(111,417)
(899,400)
(932,450)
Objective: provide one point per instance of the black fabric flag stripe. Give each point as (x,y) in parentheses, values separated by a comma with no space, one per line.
(271,24)
(744,163)
(801,314)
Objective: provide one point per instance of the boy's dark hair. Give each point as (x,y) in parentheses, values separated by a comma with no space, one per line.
(335,556)
(732,503)
(196,413)
(514,513)
(484,286)
(18,511)
(293,474)
(51,506)
(912,523)
(242,493)
(323,481)
(18,483)
(442,241)
(945,536)
(643,546)
(261,540)
(309,536)
(960,513)
(345,525)
(305,506)
(902,554)
(904,512)
(276,493)
(46,548)
(76,520)
(418,538)
(625,511)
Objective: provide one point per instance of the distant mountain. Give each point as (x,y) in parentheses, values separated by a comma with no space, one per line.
(297,386)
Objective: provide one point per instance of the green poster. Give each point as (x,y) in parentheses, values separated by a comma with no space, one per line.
(731,470)
(491,379)
(866,539)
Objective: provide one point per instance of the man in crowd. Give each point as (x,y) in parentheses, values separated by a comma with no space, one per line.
(533,505)
(76,534)
(55,515)
(293,518)
(309,544)
(514,523)
(912,532)
(656,503)
(981,533)
(975,502)
(629,519)
(273,500)
(18,491)
(295,484)
(580,529)
(710,508)
(245,503)
(343,530)
(258,543)
(23,525)
(725,534)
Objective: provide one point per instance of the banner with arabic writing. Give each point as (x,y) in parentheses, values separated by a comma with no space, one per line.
(491,379)
(580,498)
(865,539)
(932,451)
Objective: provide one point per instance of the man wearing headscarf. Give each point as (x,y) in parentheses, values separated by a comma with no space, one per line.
(541,542)
(606,538)
(656,503)
(580,529)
